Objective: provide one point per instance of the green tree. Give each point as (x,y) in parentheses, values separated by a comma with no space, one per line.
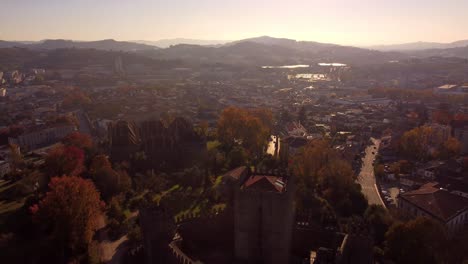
(378,218)
(418,241)
(236,157)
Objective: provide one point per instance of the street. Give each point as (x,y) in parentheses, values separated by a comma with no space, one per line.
(366,177)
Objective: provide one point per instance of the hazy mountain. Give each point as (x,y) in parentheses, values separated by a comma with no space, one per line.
(10,44)
(75,58)
(420,46)
(459,52)
(266,40)
(272,51)
(107,44)
(165,43)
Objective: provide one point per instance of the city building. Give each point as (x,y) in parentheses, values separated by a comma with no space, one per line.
(43,137)
(449,209)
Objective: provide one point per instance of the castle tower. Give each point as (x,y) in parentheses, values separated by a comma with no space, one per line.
(158,229)
(263,218)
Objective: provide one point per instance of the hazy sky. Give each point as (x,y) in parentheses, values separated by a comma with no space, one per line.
(358,22)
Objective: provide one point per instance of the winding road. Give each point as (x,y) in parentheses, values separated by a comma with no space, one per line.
(366,177)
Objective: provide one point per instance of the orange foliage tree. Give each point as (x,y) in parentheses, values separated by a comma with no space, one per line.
(79,140)
(70,210)
(76,98)
(64,160)
(109,181)
(451,148)
(319,169)
(250,128)
(414,143)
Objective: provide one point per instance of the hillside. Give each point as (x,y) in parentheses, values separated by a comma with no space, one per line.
(420,46)
(107,44)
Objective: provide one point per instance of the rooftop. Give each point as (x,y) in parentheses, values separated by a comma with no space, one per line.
(265,183)
(439,203)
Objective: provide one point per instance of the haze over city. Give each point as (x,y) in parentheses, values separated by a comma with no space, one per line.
(352,22)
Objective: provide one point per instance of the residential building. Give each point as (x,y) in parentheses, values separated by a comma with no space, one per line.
(43,137)
(449,209)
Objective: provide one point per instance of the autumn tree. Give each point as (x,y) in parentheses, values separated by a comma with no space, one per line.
(414,143)
(79,140)
(249,128)
(64,160)
(69,212)
(451,148)
(418,241)
(109,181)
(319,169)
(75,98)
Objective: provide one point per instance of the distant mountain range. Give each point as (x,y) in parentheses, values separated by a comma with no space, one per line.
(273,51)
(256,51)
(420,46)
(166,43)
(107,44)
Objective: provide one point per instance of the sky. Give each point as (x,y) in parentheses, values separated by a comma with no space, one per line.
(346,22)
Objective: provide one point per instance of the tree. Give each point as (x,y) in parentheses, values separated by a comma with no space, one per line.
(418,241)
(378,218)
(99,162)
(109,181)
(414,144)
(319,169)
(70,211)
(79,140)
(249,128)
(236,157)
(451,148)
(75,98)
(64,160)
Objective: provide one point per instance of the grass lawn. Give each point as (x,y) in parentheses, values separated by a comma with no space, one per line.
(8,207)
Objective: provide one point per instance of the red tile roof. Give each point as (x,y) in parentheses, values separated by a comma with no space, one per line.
(265,183)
(236,173)
(441,204)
